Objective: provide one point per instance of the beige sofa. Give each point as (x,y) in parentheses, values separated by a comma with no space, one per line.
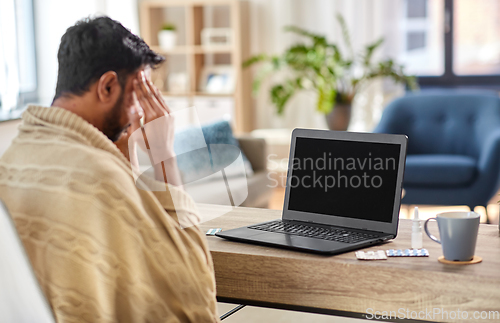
(258,184)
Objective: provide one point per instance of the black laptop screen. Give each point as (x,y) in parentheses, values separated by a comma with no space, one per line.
(344,178)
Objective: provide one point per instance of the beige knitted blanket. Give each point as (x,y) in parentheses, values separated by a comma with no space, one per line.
(102,249)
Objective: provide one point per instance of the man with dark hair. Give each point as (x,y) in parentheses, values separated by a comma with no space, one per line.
(102,249)
(88,51)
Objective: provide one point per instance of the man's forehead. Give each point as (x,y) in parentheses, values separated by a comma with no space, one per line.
(146,69)
(137,74)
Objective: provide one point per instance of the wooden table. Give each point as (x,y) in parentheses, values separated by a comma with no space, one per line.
(342,285)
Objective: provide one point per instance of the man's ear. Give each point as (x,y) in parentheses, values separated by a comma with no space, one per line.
(108,87)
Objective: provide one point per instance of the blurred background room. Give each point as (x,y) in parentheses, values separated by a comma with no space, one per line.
(256,69)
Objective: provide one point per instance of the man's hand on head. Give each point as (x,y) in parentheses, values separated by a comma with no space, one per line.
(160,132)
(149,98)
(158,129)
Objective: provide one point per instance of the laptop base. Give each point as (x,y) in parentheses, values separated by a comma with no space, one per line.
(295,242)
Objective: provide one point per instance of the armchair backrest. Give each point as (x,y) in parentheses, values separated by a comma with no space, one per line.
(443,122)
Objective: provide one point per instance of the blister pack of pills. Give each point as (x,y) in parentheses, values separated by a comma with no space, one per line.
(371,255)
(407,253)
(212,232)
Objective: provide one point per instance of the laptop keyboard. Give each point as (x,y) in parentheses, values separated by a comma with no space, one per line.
(334,234)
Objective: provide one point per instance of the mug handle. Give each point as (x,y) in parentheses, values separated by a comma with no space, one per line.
(433,238)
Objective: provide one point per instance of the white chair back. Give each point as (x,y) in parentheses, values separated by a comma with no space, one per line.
(21,298)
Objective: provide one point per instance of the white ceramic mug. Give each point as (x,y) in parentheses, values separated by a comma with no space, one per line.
(458,232)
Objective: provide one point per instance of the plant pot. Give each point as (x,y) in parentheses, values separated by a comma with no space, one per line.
(339,118)
(167,39)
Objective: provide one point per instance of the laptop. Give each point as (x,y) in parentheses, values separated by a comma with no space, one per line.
(343,193)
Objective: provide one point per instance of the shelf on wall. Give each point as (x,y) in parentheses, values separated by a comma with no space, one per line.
(213,94)
(213,49)
(174,50)
(197,49)
(166,93)
(193,59)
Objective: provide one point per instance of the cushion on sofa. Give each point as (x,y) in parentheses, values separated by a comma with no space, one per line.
(200,154)
(439,170)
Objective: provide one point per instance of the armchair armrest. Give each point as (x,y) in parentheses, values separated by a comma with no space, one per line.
(488,180)
(256,151)
(489,157)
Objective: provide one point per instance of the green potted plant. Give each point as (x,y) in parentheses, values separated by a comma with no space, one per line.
(167,36)
(322,67)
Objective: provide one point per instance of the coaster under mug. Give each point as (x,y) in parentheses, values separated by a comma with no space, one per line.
(474,260)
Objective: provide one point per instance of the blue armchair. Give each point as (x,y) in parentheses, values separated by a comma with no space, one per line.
(453,146)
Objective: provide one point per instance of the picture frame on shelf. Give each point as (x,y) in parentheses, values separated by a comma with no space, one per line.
(216,36)
(217,79)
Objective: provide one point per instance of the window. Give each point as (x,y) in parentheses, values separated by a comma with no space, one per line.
(415,40)
(447,43)
(18,82)
(414,35)
(476,37)
(416,9)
